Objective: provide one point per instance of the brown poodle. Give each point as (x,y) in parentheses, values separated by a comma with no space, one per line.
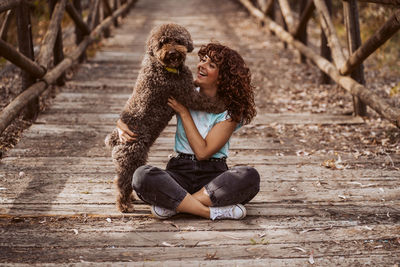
(163,74)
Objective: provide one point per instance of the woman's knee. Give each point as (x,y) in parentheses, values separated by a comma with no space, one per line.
(144,177)
(249,175)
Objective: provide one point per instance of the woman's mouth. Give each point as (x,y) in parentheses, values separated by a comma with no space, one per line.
(201,73)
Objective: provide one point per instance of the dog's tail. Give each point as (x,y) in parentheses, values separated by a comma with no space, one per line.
(112,139)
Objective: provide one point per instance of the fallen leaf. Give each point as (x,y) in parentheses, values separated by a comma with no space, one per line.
(166,244)
(311,258)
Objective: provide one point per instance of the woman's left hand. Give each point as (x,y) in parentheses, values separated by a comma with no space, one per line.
(178,107)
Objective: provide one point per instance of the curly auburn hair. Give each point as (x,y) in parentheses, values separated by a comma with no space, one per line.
(234,81)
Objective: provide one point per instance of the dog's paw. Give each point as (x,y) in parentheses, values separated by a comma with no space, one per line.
(125,207)
(133,198)
(112,139)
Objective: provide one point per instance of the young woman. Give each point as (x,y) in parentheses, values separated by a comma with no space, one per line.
(197,180)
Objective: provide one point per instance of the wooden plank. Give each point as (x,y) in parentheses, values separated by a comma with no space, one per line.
(104,193)
(211,238)
(181,222)
(189,249)
(104,164)
(382,211)
(62,117)
(279,174)
(254,260)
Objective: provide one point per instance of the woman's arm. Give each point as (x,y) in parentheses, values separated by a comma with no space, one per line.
(215,139)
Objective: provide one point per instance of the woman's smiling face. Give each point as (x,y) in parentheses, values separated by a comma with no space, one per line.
(207,73)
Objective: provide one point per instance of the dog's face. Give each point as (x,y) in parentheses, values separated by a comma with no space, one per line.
(169,44)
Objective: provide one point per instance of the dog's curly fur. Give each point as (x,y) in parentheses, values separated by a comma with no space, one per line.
(163,74)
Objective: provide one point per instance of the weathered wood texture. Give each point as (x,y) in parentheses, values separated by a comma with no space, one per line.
(57,193)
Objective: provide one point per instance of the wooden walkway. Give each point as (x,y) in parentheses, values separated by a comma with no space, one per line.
(57,193)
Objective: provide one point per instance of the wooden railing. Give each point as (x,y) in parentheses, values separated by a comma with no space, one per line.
(279,17)
(50,63)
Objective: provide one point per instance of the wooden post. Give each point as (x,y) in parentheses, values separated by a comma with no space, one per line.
(354,41)
(78,32)
(324,48)
(25,45)
(58,45)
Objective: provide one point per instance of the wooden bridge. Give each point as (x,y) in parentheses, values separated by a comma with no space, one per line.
(330,182)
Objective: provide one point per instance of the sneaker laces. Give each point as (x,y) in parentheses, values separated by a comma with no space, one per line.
(220,213)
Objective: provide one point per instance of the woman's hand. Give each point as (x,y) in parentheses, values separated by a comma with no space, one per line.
(178,107)
(124,133)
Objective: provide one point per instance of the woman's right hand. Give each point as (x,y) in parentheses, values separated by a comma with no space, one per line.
(124,133)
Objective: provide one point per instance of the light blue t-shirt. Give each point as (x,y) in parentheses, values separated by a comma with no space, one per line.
(204,122)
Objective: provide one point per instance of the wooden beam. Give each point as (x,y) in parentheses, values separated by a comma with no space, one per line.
(48,41)
(20,60)
(378,104)
(325,50)
(6,24)
(300,33)
(330,32)
(74,14)
(58,50)
(8,4)
(391,26)
(14,108)
(383,2)
(287,15)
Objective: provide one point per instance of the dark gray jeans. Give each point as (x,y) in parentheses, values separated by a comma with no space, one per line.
(167,188)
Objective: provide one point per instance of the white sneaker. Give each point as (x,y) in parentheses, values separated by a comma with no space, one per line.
(162,213)
(235,212)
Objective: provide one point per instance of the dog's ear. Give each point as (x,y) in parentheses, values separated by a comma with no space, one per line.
(189,46)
